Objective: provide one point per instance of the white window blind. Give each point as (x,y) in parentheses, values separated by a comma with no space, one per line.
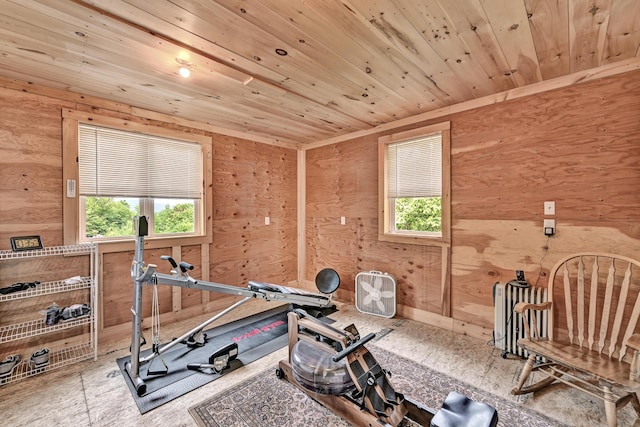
(114,163)
(415,167)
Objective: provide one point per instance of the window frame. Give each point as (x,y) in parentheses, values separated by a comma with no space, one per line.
(386,212)
(72,215)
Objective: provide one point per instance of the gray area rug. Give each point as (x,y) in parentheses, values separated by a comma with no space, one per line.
(264,400)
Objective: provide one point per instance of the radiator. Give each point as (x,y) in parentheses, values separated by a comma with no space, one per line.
(508,327)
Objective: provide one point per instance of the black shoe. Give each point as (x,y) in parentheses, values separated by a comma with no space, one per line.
(53,315)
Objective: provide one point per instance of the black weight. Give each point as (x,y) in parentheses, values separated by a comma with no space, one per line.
(327,280)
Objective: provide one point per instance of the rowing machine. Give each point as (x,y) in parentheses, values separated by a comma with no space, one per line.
(335,368)
(327,282)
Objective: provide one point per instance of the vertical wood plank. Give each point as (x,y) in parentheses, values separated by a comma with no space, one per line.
(567,302)
(631,326)
(70,205)
(588,23)
(511,26)
(550,30)
(446,282)
(292,324)
(208,187)
(301,213)
(479,37)
(100,307)
(623,36)
(606,306)
(592,302)
(205,260)
(622,299)
(176,291)
(580,302)
(383,211)
(446,184)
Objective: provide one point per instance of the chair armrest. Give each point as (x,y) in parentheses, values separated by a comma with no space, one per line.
(528,312)
(521,307)
(634,342)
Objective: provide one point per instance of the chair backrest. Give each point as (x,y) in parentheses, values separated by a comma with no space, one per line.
(596,301)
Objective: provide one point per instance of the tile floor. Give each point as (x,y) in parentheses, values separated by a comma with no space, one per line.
(95,394)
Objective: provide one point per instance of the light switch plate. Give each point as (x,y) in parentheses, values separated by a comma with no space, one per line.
(549,208)
(71,188)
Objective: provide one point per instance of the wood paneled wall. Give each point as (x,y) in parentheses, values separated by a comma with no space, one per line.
(250,182)
(577,146)
(342,181)
(253,181)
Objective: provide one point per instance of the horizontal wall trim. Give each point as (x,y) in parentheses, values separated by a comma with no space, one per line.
(443,322)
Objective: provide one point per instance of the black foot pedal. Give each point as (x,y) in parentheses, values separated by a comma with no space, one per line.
(196,340)
(219,360)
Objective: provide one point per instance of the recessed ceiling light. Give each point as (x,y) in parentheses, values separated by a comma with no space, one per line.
(185,72)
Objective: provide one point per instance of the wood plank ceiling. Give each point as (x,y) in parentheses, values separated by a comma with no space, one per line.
(299,71)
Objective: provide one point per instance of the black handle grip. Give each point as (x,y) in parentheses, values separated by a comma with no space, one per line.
(184,266)
(171,260)
(193,366)
(300,312)
(344,353)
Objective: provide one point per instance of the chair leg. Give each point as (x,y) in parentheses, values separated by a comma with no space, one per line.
(636,404)
(610,407)
(526,370)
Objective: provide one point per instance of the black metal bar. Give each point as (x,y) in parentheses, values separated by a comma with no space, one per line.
(344,353)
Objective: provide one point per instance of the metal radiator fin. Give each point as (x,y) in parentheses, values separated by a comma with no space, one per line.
(508,328)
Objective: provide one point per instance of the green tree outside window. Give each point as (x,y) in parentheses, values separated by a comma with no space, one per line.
(419,214)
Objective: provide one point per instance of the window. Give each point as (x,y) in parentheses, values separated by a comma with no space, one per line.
(142,170)
(414,186)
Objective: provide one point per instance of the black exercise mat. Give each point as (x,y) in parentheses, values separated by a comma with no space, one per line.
(256,337)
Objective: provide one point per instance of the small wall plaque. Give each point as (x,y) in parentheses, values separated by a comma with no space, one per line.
(26,243)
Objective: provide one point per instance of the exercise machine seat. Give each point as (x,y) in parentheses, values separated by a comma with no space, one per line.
(460,411)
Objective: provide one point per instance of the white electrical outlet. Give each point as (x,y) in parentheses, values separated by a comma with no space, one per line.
(343,220)
(267,220)
(549,208)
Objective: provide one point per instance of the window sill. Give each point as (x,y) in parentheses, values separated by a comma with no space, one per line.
(109,246)
(415,240)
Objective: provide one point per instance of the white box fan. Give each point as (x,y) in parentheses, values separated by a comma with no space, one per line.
(376,293)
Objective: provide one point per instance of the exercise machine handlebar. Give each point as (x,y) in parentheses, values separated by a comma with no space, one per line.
(353,347)
(170,259)
(184,266)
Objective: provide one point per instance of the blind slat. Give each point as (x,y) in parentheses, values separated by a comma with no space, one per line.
(415,167)
(115,163)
